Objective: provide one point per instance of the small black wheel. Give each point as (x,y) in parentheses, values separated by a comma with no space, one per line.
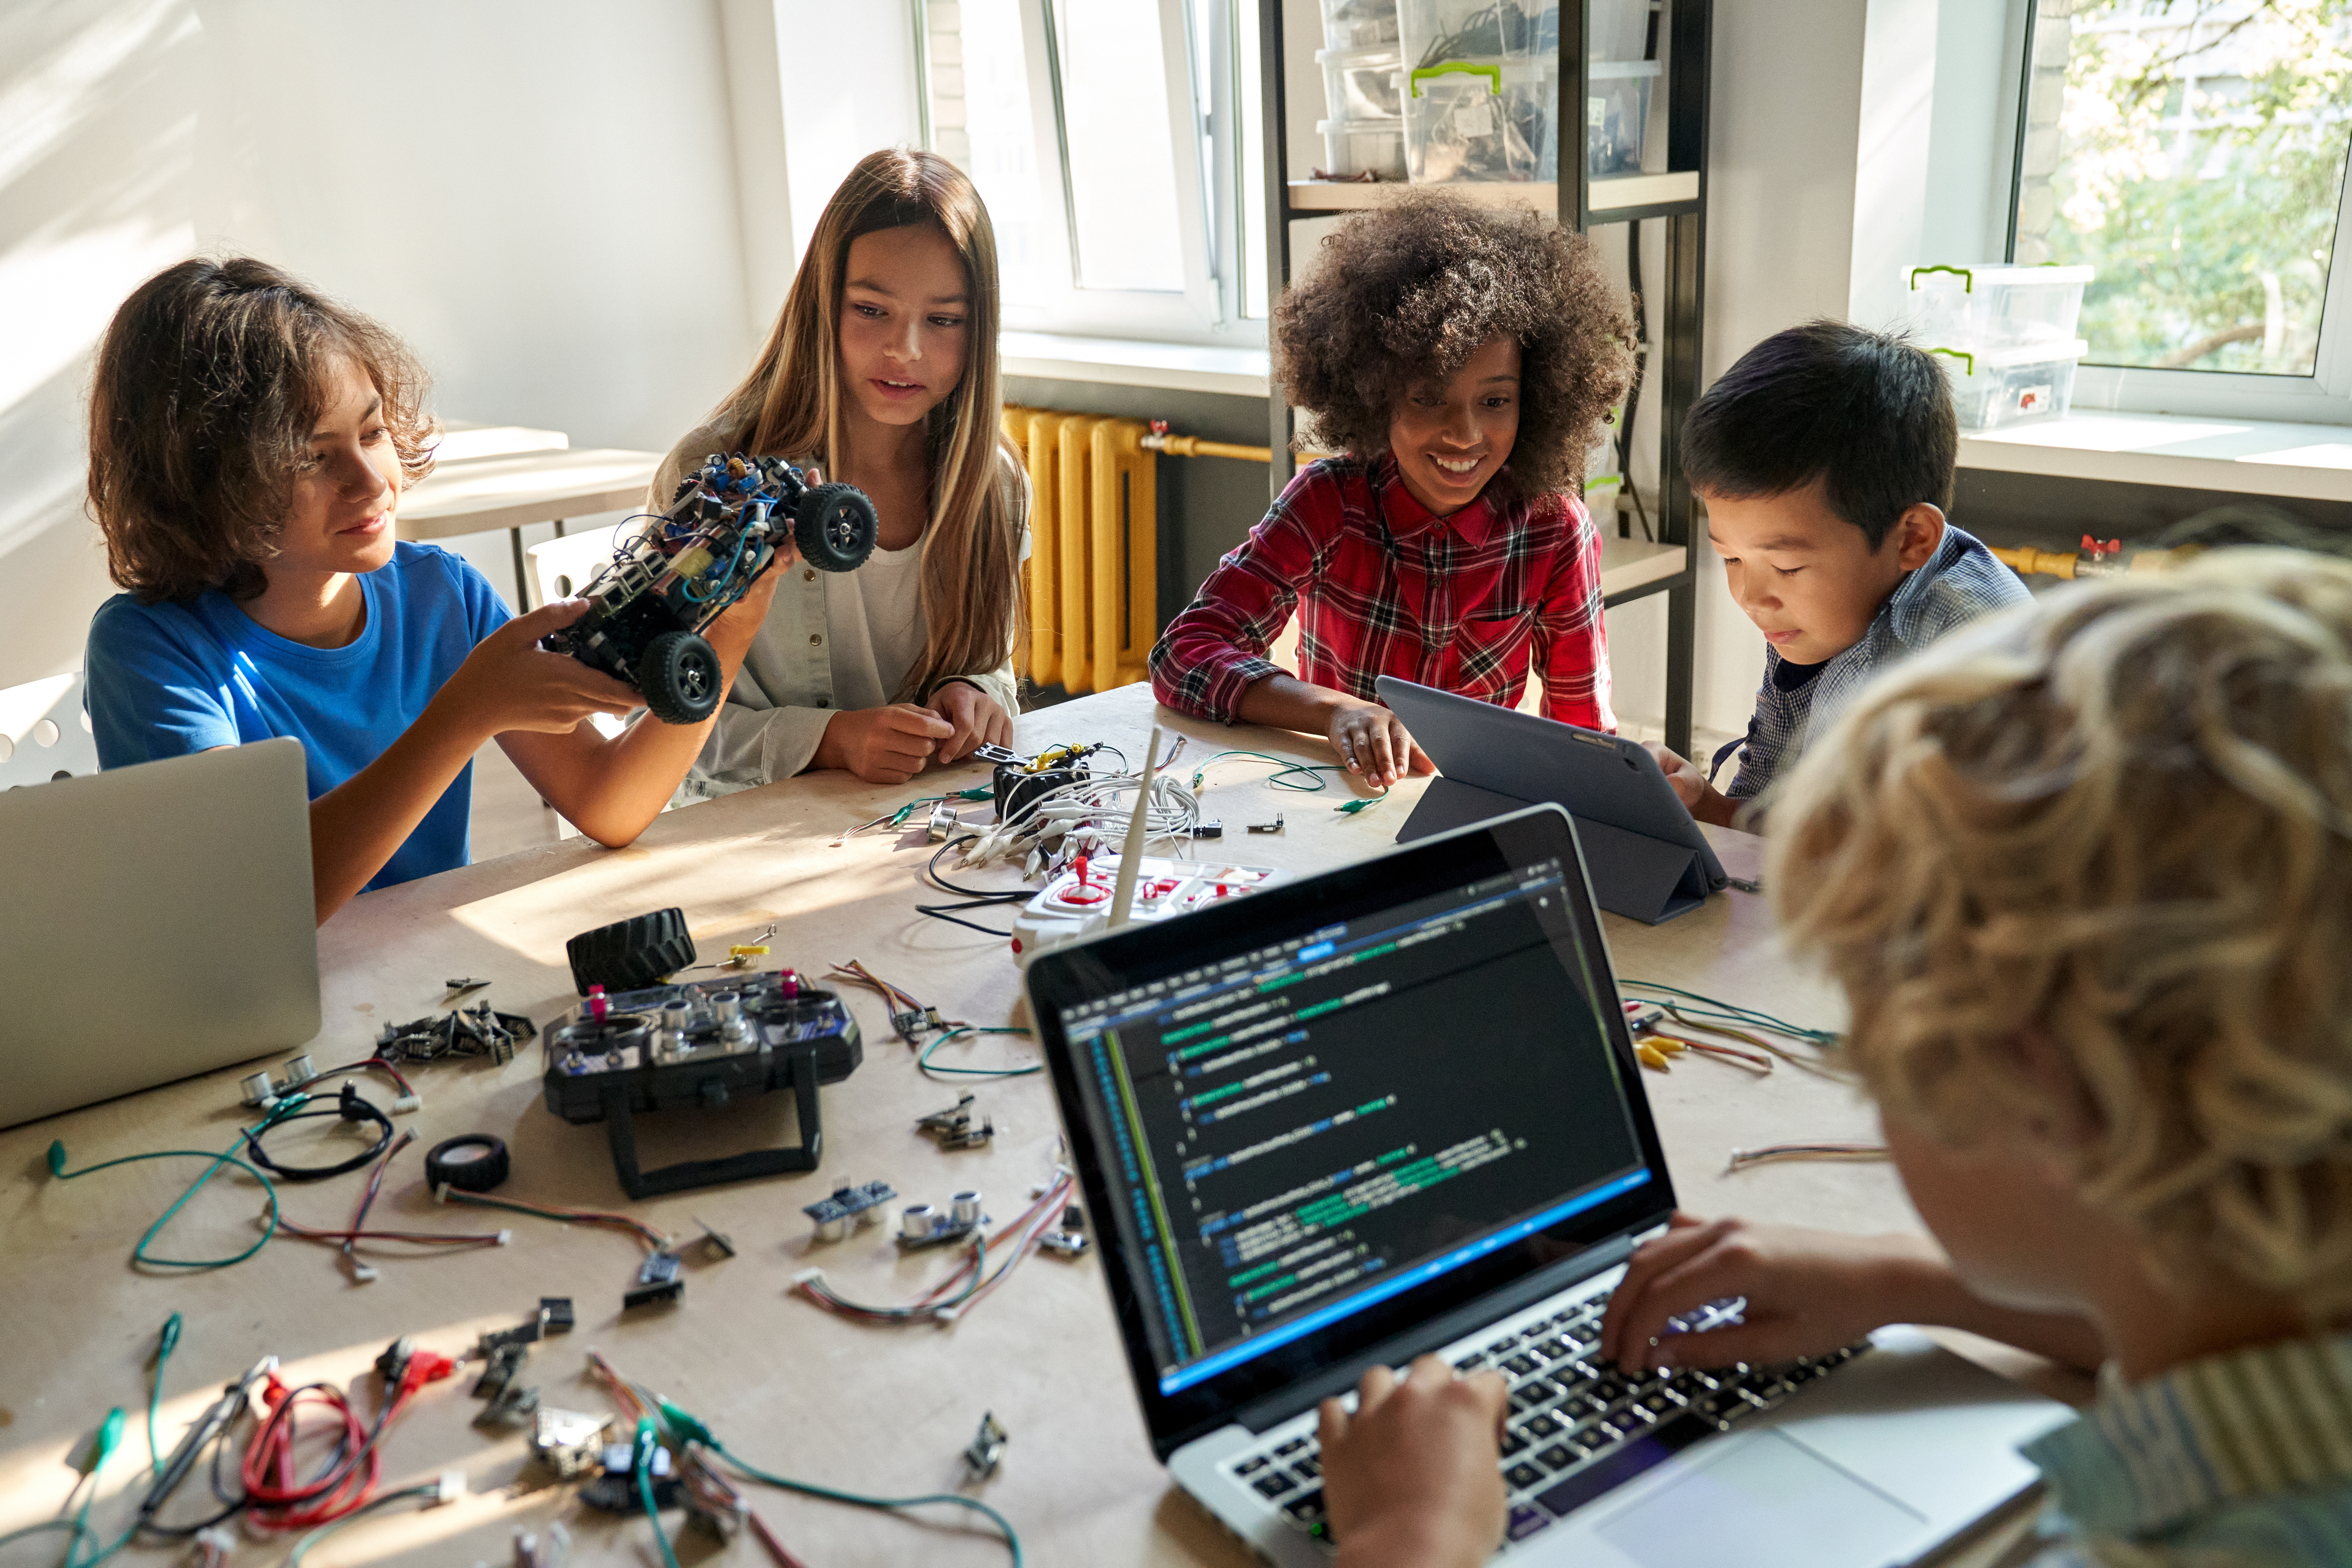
(628,955)
(835,528)
(679,678)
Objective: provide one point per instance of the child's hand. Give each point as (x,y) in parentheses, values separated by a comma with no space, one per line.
(509,682)
(1702,799)
(1375,745)
(1413,1476)
(882,745)
(1809,1292)
(978,720)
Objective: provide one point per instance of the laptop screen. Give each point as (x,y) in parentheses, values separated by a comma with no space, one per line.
(1345,1105)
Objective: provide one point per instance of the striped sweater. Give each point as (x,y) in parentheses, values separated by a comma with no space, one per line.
(2243,1458)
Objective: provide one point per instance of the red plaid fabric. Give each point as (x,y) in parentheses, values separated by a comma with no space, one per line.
(1463,603)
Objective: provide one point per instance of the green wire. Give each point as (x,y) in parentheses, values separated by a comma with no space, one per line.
(978,791)
(156,1391)
(923,1057)
(294,1559)
(644,1468)
(1731,1012)
(119,1543)
(683,1427)
(858,1499)
(139,1254)
(75,1525)
(1284,769)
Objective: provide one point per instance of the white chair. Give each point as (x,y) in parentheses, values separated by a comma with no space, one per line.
(44,732)
(562,567)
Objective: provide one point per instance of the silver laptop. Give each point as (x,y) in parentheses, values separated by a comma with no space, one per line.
(155,921)
(1393,1109)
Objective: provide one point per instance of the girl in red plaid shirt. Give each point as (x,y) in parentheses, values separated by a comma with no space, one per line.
(1461,359)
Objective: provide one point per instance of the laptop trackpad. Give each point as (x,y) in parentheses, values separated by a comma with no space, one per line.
(1767,1503)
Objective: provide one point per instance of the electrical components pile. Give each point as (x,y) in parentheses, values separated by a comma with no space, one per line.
(475,1031)
(262,1447)
(1069,826)
(1052,809)
(963,1226)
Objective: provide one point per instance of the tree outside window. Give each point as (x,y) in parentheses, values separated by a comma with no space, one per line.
(2193,151)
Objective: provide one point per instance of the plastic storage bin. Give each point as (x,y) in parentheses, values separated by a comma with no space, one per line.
(1617,114)
(1995,306)
(1992,387)
(1482,119)
(1353,147)
(1482,88)
(1362,84)
(1359,24)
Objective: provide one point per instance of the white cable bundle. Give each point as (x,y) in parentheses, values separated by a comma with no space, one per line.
(1089,815)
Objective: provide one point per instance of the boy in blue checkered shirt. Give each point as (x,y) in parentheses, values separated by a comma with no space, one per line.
(1825,457)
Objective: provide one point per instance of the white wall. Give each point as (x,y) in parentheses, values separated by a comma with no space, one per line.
(1931,146)
(541,197)
(1782,148)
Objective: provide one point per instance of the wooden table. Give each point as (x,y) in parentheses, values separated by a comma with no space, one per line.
(884,1410)
(513,490)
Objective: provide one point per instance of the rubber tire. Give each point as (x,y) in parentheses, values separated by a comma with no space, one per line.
(679,678)
(631,954)
(835,528)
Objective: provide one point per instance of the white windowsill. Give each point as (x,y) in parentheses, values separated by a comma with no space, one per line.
(1131,362)
(2248,457)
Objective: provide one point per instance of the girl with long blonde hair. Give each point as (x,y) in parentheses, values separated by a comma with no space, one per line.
(881,370)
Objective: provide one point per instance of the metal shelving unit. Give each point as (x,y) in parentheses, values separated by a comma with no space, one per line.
(1677,196)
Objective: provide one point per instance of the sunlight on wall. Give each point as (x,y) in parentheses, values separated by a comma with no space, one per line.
(51,95)
(78,279)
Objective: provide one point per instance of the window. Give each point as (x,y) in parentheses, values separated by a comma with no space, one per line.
(1107,139)
(2193,151)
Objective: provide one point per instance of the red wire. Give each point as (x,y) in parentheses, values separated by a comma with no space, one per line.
(278,1498)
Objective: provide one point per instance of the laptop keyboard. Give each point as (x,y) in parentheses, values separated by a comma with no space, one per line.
(1573,1419)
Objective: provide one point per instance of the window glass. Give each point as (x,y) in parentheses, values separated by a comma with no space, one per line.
(1251,184)
(1117,151)
(2193,151)
(993,137)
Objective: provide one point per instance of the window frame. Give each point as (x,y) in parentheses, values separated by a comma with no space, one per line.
(2323,398)
(1208,309)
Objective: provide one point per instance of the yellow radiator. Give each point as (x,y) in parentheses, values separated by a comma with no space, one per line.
(1093,580)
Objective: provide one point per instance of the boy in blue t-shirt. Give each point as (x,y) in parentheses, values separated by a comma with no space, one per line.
(249,441)
(1826,458)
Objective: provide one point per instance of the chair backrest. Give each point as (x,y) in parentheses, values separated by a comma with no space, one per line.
(562,567)
(44,732)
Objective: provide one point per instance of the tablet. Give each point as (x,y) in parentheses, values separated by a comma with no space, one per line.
(1648,859)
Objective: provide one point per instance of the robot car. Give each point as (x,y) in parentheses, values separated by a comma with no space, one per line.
(648,609)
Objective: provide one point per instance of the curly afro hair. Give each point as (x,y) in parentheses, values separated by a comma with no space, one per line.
(1406,293)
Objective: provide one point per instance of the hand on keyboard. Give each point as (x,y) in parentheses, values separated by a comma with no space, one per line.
(1410,1477)
(1808,1292)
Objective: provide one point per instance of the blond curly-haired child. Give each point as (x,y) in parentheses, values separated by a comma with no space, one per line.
(2084,871)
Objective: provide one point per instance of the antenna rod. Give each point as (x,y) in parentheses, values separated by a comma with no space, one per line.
(1130,858)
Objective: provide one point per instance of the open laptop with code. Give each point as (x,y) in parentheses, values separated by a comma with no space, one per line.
(1393,1109)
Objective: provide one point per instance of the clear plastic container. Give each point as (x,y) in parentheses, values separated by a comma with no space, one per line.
(1362,84)
(1354,147)
(1482,88)
(1359,24)
(1995,306)
(1993,387)
(1617,114)
(1482,119)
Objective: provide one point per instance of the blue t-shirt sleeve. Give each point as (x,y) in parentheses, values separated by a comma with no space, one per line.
(485,611)
(151,694)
